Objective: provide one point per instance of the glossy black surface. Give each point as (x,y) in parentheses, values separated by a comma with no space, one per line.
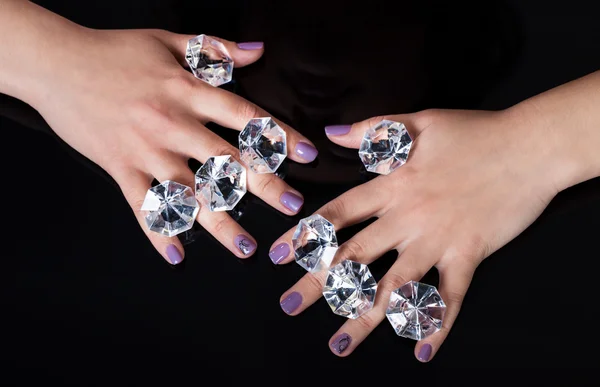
(80,277)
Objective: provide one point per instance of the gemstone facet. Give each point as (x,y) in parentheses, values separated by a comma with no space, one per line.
(220,183)
(315,243)
(350,289)
(170,208)
(209,60)
(416,310)
(385,147)
(263,145)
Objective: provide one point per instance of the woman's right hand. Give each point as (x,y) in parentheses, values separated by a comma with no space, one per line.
(123,99)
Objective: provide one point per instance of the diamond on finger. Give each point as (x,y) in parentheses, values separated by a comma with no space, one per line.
(416,310)
(350,289)
(170,208)
(385,147)
(220,183)
(315,243)
(262,145)
(209,60)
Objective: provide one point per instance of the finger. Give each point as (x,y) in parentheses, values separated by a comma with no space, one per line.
(232,111)
(409,267)
(454,282)
(352,207)
(135,185)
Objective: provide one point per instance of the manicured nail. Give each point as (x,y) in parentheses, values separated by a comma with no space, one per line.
(291,201)
(306,151)
(425,352)
(291,302)
(341,343)
(174,255)
(251,45)
(279,253)
(337,130)
(245,245)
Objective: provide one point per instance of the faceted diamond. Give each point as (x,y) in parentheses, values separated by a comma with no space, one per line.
(263,145)
(170,208)
(209,60)
(220,183)
(416,310)
(315,243)
(385,147)
(350,289)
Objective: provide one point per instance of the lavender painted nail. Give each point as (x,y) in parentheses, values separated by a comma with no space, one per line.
(337,130)
(341,343)
(425,352)
(245,244)
(173,255)
(279,253)
(291,201)
(306,151)
(291,302)
(251,45)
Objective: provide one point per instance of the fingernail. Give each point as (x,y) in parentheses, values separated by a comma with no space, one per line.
(174,255)
(337,130)
(251,45)
(279,253)
(425,352)
(341,343)
(245,245)
(291,201)
(291,302)
(306,151)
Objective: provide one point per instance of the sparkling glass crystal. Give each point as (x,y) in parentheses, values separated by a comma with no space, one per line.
(220,183)
(416,310)
(209,60)
(385,147)
(350,289)
(315,243)
(170,208)
(263,145)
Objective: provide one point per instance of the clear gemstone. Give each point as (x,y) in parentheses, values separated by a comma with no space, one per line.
(220,183)
(170,208)
(385,147)
(416,310)
(315,243)
(209,60)
(350,289)
(263,145)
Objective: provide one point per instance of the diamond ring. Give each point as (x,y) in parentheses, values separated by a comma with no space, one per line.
(220,183)
(263,145)
(350,289)
(315,243)
(385,147)
(209,60)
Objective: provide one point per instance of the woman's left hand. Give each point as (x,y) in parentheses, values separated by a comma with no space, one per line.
(473,181)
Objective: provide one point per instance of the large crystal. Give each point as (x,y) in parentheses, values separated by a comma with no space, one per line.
(350,289)
(263,145)
(315,243)
(209,60)
(385,147)
(416,310)
(220,183)
(170,208)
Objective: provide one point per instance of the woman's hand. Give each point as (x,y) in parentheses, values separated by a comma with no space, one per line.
(473,181)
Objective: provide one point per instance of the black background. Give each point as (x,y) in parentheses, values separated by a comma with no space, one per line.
(84,291)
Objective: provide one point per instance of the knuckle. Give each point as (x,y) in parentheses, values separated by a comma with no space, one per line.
(220,225)
(265,183)
(454,297)
(351,250)
(393,281)
(247,111)
(366,322)
(152,114)
(182,83)
(375,120)
(314,282)
(334,210)
(223,150)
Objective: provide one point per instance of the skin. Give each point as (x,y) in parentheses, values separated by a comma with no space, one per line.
(474,180)
(123,99)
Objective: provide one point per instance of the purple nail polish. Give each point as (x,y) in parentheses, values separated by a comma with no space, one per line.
(337,130)
(279,253)
(291,201)
(174,255)
(425,352)
(291,302)
(251,45)
(245,245)
(306,151)
(341,343)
